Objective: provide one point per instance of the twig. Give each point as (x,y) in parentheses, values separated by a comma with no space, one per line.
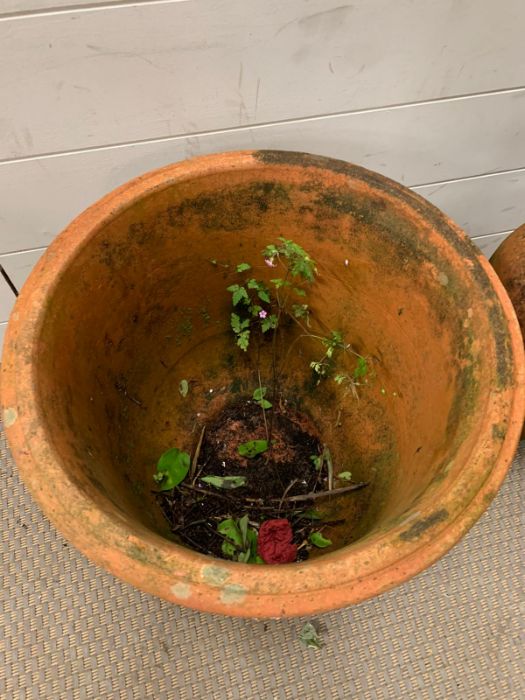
(321,494)
(275,509)
(205,492)
(183,527)
(219,534)
(123,390)
(287,489)
(274,354)
(196,545)
(330,467)
(196,456)
(263,409)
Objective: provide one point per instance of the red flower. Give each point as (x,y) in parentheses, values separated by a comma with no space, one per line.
(274,545)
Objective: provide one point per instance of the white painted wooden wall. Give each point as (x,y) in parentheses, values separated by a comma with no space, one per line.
(428,92)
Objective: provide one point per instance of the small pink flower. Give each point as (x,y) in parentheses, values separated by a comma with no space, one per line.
(263,313)
(270,262)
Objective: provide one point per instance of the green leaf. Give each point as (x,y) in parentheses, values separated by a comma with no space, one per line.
(309,637)
(300,310)
(252,542)
(251,539)
(269,322)
(278,283)
(300,263)
(319,368)
(240,295)
(300,292)
(241,538)
(225,482)
(243,340)
(264,296)
(243,267)
(239,325)
(229,529)
(252,284)
(243,527)
(258,397)
(312,514)
(173,466)
(361,369)
(259,393)
(317,461)
(334,340)
(345,476)
(270,251)
(229,549)
(252,448)
(183,387)
(241,330)
(235,323)
(317,539)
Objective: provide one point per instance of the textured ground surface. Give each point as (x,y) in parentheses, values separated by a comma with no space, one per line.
(70,630)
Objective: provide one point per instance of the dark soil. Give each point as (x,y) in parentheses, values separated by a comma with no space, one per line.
(273,478)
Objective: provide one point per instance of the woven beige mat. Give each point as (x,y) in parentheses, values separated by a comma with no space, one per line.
(70,630)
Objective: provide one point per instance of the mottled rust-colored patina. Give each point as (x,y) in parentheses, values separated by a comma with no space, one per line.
(509,263)
(126,303)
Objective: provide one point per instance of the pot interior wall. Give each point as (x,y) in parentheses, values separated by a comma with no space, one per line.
(141,307)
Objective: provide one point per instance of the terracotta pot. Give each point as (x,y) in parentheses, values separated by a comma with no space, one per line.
(509,263)
(126,303)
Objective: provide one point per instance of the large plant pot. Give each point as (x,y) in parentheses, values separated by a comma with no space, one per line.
(126,303)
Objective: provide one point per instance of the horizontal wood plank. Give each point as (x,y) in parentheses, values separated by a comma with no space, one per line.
(482,205)
(22,7)
(76,80)
(19,265)
(414,145)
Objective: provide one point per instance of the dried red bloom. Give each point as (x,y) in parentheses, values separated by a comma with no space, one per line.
(274,545)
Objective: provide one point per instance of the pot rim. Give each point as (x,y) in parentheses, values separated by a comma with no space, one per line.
(150,562)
